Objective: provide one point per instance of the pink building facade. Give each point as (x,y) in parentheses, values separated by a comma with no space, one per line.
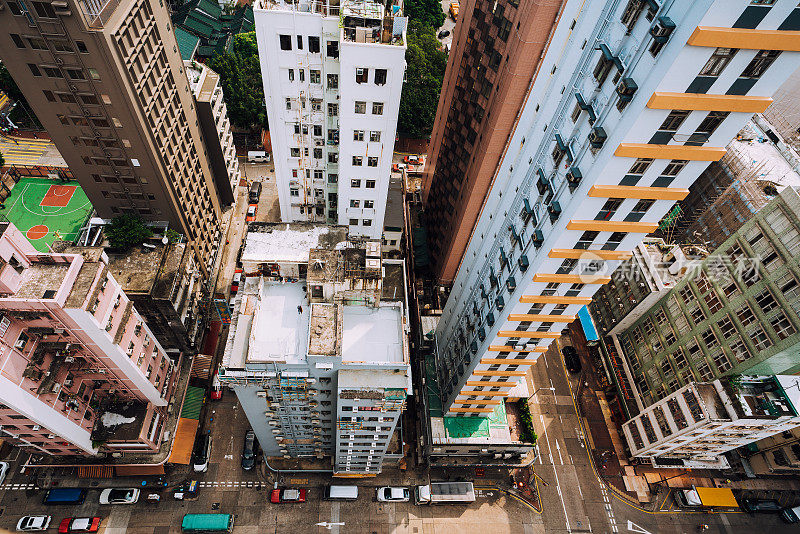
(80,371)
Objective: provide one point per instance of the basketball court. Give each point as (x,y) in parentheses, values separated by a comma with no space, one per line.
(46,211)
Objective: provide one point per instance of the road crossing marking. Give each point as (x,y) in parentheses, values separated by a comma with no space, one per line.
(19,486)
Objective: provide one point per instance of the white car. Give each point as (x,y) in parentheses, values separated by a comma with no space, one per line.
(119,496)
(390,494)
(3,471)
(33,523)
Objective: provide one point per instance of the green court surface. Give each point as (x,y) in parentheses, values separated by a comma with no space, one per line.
(46,210)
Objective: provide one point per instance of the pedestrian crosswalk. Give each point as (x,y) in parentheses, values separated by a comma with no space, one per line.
(19,487)
(229,484)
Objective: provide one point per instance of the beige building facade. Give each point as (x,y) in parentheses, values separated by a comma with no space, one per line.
(107,82)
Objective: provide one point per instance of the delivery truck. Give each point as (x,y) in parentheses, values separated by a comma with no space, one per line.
(697,497)
(444,493)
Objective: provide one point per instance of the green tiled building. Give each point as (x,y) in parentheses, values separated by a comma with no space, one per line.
(204,28)
(737,313)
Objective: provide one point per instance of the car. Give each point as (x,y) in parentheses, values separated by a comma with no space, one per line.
(33,523)
(393,494)
(397,167)
(119,496)
(251,213)
(791,515)
(752,506)
(287,495)
(571,359)
(413,159)
(215,392)
(78,524)
(443,34)
(3,471)
(249,450)
(237,280)
(201,454)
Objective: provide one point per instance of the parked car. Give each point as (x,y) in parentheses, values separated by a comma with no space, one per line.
(443,34)
(33,523)
(791,515)
(201,454)
(287,495)
(215,392)
(78,524)
(752,506)
(3,471)
(237,280)
(571,359)
(251,213)
(397,167)
(393,494)
(249,450)
(119,496)
(414,160)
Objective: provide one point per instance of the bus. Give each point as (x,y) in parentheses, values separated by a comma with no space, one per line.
(207,523)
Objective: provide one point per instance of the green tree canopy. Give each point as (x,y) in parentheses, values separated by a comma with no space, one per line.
(126,231)
(240,74)
(425,12)
(426,63)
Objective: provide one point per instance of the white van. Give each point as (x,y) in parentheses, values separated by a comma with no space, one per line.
(257,156)
(341,493)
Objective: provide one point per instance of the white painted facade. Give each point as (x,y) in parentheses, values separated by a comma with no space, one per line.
(332,158)
(472,322)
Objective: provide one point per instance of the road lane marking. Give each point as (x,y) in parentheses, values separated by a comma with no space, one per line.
(633,527)
(555,473)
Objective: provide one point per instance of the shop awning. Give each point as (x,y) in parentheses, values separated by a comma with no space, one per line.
(719,497)
(183,443)
(139,470)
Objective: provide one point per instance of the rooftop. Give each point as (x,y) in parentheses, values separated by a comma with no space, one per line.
(153,270)
(366,378)
(763,157)
(279,329)
(42,281)
(372,334)
(323,330)
(393,219)
(120,422)
(289,242)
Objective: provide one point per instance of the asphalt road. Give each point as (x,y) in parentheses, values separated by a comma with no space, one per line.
(575,499)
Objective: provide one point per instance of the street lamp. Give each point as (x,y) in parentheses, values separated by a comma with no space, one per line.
(539,389)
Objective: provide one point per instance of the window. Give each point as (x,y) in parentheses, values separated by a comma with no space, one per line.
(674,167)
(639,209)
(355,182)
(333,157)
(286,42)
(372,161)
(718,61)
(366,222)
(34,69)
(760,63)
(375,136)
(609,208)
(294,152)
(358,135)
(291,75)
(49,96)
(317,155)
(333,81)
(357,161)
(377,108)
(362,75)
(355,203)
(288,103)
(602,69)
(313,44)
(14,7)
(370,204)
(332,49)
(674,120)
(17,40)
(361,107)
(712,122)
(302,73)
(370,184)
(314,76)
(631,13)
(780,323)
(353,222)
(333,110)
(317,130)
(81,47)
(640,166)
(44,9)
(93,74)
(380,76)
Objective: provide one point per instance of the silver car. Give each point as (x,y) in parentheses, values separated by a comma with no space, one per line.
(119,496)
(393,494)
(33,523)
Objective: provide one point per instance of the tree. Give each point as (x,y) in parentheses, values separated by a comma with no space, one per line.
(424,12)
(126,231)
(240,75)
(426,63)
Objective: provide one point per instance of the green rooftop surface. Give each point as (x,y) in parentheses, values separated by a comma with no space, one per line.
(187,43)
(192,403)
(460,427)
(211,25)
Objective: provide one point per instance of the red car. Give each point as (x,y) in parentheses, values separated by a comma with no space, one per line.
(285,495)
(215,393)
(78,524)
(414,160)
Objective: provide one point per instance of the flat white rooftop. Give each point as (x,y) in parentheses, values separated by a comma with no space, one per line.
(373,379)
(372,334)
(289,242)
(765,159)
(279,332)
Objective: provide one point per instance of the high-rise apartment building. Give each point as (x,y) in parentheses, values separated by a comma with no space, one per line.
(333,73)
(736,313)
(82,372)
(107,82)
(216,128)
(696,425)
(636,99)
(317,351)
(496,53)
